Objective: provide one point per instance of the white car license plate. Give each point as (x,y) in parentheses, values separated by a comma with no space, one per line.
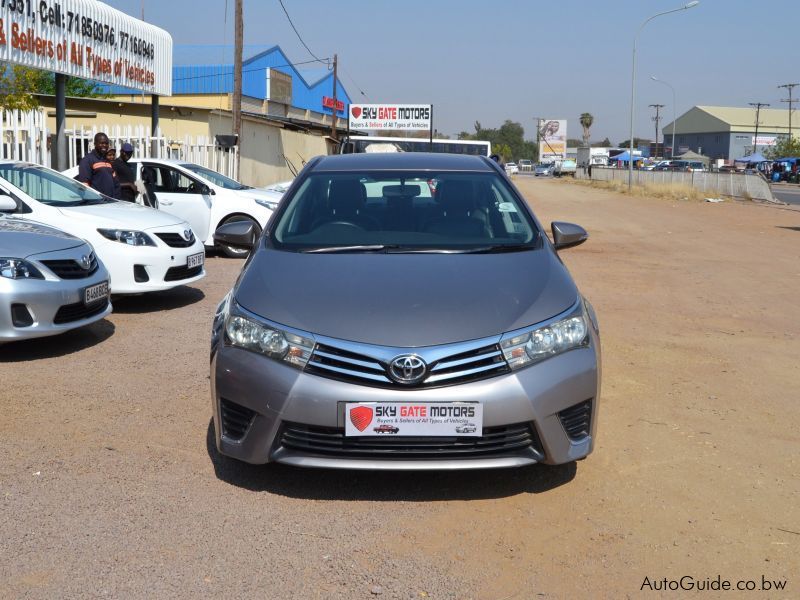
(95,293)
(442,419)
(195,260)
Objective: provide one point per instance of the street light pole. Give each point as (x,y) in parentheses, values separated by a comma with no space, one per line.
(633,80)
(672,150)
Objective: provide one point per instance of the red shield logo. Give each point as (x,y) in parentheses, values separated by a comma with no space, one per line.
(361,417)
(356,110)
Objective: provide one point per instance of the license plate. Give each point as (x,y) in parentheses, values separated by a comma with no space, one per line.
(195,260)
(95,293)
(435,419)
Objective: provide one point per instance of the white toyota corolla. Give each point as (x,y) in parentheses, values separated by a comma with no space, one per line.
(144,250)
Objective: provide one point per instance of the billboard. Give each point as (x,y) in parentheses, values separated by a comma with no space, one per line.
(87,39)
(764,140)
(552,139)
(279,86)
(385,117)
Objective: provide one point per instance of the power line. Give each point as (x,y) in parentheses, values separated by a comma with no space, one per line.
(758,106)
(358,87)
(299,37)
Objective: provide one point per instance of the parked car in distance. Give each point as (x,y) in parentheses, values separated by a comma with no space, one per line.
(144,250)
(543,169)
(206,199)
(565,166)
(347,301)
(525,164)
(511,168)
(50,281)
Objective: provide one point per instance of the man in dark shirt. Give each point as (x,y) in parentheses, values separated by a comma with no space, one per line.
(125,175)
(95,171)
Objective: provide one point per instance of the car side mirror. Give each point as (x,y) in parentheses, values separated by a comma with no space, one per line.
(239,234)
(566,235)
(7,203)
(206,191)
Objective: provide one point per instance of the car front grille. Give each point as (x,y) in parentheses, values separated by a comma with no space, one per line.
(235,419)
(577,420)
(469,365)
(71,269)
(178,273)
(518,439)
(75,312)
(175,240)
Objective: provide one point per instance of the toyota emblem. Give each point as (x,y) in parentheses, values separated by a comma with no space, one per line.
(187,234)
(86,262)
(407,369)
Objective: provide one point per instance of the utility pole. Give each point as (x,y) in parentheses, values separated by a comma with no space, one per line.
(657,120)
(790,87)
(333,120)
(236,108)
(758,106)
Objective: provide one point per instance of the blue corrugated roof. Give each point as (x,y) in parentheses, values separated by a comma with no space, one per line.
(308,86)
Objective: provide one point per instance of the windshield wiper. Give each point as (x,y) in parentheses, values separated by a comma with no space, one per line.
(334,249)
(499,248)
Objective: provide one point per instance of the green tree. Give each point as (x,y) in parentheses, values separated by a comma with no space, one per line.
(586,121)
(504,150)
(510,135)
(19,84)
(636,142)
(784,147)
(606,143)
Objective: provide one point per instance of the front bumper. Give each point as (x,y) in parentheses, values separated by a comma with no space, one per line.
(275,397)
(138,269)
(42,299)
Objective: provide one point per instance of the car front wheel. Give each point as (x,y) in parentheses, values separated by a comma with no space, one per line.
(232,252)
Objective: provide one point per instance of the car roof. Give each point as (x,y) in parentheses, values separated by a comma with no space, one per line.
(401,161)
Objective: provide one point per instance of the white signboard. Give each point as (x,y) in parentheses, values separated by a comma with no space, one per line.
(407,117)
(388,419)
(552,139)
(86,39)
(766,140)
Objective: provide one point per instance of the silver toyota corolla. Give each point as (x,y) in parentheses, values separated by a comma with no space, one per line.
(405,311)
(50,281)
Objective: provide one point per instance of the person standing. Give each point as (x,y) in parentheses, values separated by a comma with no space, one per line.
(96,171)
(125,175)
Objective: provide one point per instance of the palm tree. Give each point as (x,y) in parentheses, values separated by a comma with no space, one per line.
(586,121)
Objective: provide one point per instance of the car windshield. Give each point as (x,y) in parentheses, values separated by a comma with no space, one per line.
(215,178)
(404,212)
(50,187)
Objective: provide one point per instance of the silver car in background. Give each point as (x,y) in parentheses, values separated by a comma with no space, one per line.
(50,281)
(380,325)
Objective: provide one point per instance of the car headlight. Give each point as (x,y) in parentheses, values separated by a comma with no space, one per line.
(539,343)
(16,268)
(125,236)
(247,333)
(270,204)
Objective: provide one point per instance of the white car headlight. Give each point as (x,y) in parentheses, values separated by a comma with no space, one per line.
(125,236)
(16,268)
(539,343)
(249,334)
(270,204)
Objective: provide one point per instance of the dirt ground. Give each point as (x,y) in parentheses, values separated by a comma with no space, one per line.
(110,487)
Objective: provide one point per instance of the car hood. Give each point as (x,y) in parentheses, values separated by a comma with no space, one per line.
(120,215)
(21,238)
(406,300)
(260,193)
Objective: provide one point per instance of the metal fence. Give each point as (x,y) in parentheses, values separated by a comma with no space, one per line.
(24,136)
(740,185)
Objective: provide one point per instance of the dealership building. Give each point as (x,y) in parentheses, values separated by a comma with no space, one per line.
(722,132)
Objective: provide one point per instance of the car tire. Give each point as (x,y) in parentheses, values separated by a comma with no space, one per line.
(230,251)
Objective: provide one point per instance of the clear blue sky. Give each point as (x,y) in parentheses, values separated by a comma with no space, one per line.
(493,60)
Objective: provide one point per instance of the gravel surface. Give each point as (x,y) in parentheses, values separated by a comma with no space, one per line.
(110,485)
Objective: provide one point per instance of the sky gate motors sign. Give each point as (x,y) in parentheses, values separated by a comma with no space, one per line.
(408,117)
(87,39)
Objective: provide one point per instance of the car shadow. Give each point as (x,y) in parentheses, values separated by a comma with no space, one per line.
(785,227)
(154,301)
(69,342)
(409,486)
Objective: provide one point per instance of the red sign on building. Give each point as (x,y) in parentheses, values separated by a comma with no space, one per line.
(328,103)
